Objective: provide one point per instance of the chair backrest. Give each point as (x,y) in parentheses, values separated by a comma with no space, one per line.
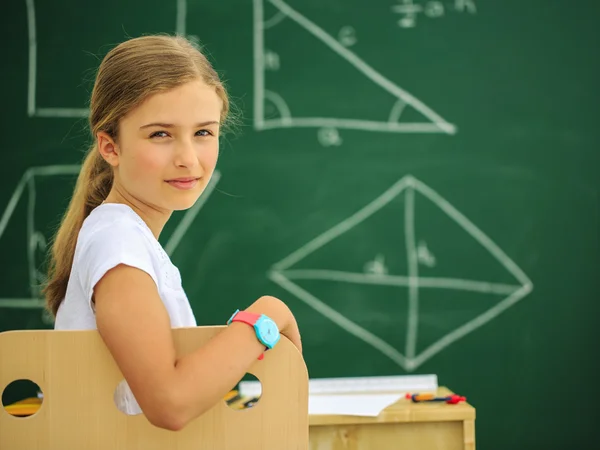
(78,377)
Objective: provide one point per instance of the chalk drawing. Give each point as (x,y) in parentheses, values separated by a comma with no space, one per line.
(263,60)
(33,110)
(432,9)
(377,266)
(347,36)
(271,61)
(376,273)
(328,136)
(36,240)
(424,256)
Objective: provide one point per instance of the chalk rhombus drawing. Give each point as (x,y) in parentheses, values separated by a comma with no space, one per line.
(284,274)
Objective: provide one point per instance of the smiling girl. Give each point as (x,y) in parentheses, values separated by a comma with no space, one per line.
(156,112)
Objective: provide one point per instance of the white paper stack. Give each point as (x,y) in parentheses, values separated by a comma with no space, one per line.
(355,396)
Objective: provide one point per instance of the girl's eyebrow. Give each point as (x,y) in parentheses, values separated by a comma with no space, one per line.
(170,125)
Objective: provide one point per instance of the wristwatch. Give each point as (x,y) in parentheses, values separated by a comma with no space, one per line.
(265,328)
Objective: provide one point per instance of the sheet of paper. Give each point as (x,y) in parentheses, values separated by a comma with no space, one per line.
(363,385)
(351,405)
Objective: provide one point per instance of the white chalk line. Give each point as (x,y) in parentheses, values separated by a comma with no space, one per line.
(413,272)
(62,112)
(259,61)
(22,303)
(32,73)
(181,16)
(352,124)
(457,284)
(58,169)
(275,20)
(396,111)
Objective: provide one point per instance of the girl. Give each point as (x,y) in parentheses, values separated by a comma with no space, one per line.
(156,111)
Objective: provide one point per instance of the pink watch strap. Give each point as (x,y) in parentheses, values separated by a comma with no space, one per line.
(246,317)
(250,319)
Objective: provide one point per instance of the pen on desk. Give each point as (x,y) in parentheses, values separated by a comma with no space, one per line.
(421,397)
(426,397)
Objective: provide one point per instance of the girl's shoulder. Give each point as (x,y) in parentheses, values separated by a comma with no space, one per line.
(115,226)
(114,234)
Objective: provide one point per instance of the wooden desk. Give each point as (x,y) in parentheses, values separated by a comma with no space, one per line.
(403,425)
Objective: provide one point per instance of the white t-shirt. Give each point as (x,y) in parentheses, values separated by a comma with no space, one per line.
(114,234)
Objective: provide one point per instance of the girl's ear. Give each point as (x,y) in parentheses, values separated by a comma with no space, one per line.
(107,148)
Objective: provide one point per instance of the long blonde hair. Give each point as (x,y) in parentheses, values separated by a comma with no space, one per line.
(128,74)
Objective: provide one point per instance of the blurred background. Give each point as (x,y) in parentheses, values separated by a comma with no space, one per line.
(418,180)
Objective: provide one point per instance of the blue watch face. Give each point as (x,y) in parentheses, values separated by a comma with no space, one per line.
(268,331)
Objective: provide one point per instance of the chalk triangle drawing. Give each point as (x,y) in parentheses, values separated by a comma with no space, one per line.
(24,199)
(399,99)
(303,265)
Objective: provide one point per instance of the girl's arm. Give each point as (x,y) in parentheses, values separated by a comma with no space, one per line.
(171,392)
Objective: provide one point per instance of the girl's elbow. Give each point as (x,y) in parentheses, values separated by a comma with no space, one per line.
(173,411)
(166,418)
(174,415)
(166,413)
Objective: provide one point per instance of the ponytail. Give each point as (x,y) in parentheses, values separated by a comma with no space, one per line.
(93,185)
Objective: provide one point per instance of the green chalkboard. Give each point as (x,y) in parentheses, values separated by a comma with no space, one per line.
(418,180)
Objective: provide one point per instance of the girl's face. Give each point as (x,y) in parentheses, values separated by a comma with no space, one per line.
(168,147)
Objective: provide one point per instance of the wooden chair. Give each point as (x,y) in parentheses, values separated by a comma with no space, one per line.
(78,377)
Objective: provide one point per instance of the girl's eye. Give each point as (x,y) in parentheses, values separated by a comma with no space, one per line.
(164,134)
